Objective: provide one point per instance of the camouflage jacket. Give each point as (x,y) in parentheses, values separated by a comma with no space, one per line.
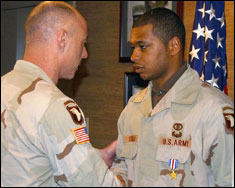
(44,141)
(187,139)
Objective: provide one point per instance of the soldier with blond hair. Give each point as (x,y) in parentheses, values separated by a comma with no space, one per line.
(44,141)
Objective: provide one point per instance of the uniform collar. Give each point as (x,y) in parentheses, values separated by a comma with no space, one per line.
(30,68)
(184,91)
(144,100)
(171,81)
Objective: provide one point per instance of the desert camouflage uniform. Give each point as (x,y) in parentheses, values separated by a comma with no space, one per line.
(192,123)
(38,147)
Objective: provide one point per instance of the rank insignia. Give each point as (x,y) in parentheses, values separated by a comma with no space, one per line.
(80,134)
(74,112)
(173,163)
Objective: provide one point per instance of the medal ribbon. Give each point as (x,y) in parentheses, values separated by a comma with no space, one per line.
(173,163)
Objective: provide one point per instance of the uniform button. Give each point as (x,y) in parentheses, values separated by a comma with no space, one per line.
(159,93)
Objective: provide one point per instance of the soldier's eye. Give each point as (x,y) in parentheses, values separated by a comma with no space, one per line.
(132,47)
(143,47)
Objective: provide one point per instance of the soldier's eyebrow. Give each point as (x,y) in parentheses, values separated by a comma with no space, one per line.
(138,43)
(129,43)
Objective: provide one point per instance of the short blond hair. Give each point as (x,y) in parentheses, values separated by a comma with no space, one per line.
(45,18)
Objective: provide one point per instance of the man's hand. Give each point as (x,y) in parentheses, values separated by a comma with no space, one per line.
(108,153)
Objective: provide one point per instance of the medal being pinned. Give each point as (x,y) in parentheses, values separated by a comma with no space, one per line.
(173,163)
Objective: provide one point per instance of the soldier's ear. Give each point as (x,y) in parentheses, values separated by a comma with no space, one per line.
(62,37)
(174,46)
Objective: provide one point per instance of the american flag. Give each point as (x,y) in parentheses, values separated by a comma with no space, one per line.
(80,135)
(207,54)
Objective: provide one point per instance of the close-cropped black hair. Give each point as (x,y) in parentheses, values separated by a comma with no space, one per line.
(166,24)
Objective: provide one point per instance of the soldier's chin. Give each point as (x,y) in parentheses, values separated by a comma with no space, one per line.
(71,76)
(143,76)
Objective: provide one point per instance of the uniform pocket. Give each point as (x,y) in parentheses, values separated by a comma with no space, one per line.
(180,152)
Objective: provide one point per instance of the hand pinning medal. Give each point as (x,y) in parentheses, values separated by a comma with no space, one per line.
(173,163)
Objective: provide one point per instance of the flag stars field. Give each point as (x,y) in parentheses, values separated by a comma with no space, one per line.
(207,54)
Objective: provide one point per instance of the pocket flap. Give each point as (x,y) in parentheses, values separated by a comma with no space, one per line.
(129,150)
(166,152)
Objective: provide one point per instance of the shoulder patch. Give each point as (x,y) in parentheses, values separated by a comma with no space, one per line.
(74,112)
(81,135)
(228,113)
(204,84)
